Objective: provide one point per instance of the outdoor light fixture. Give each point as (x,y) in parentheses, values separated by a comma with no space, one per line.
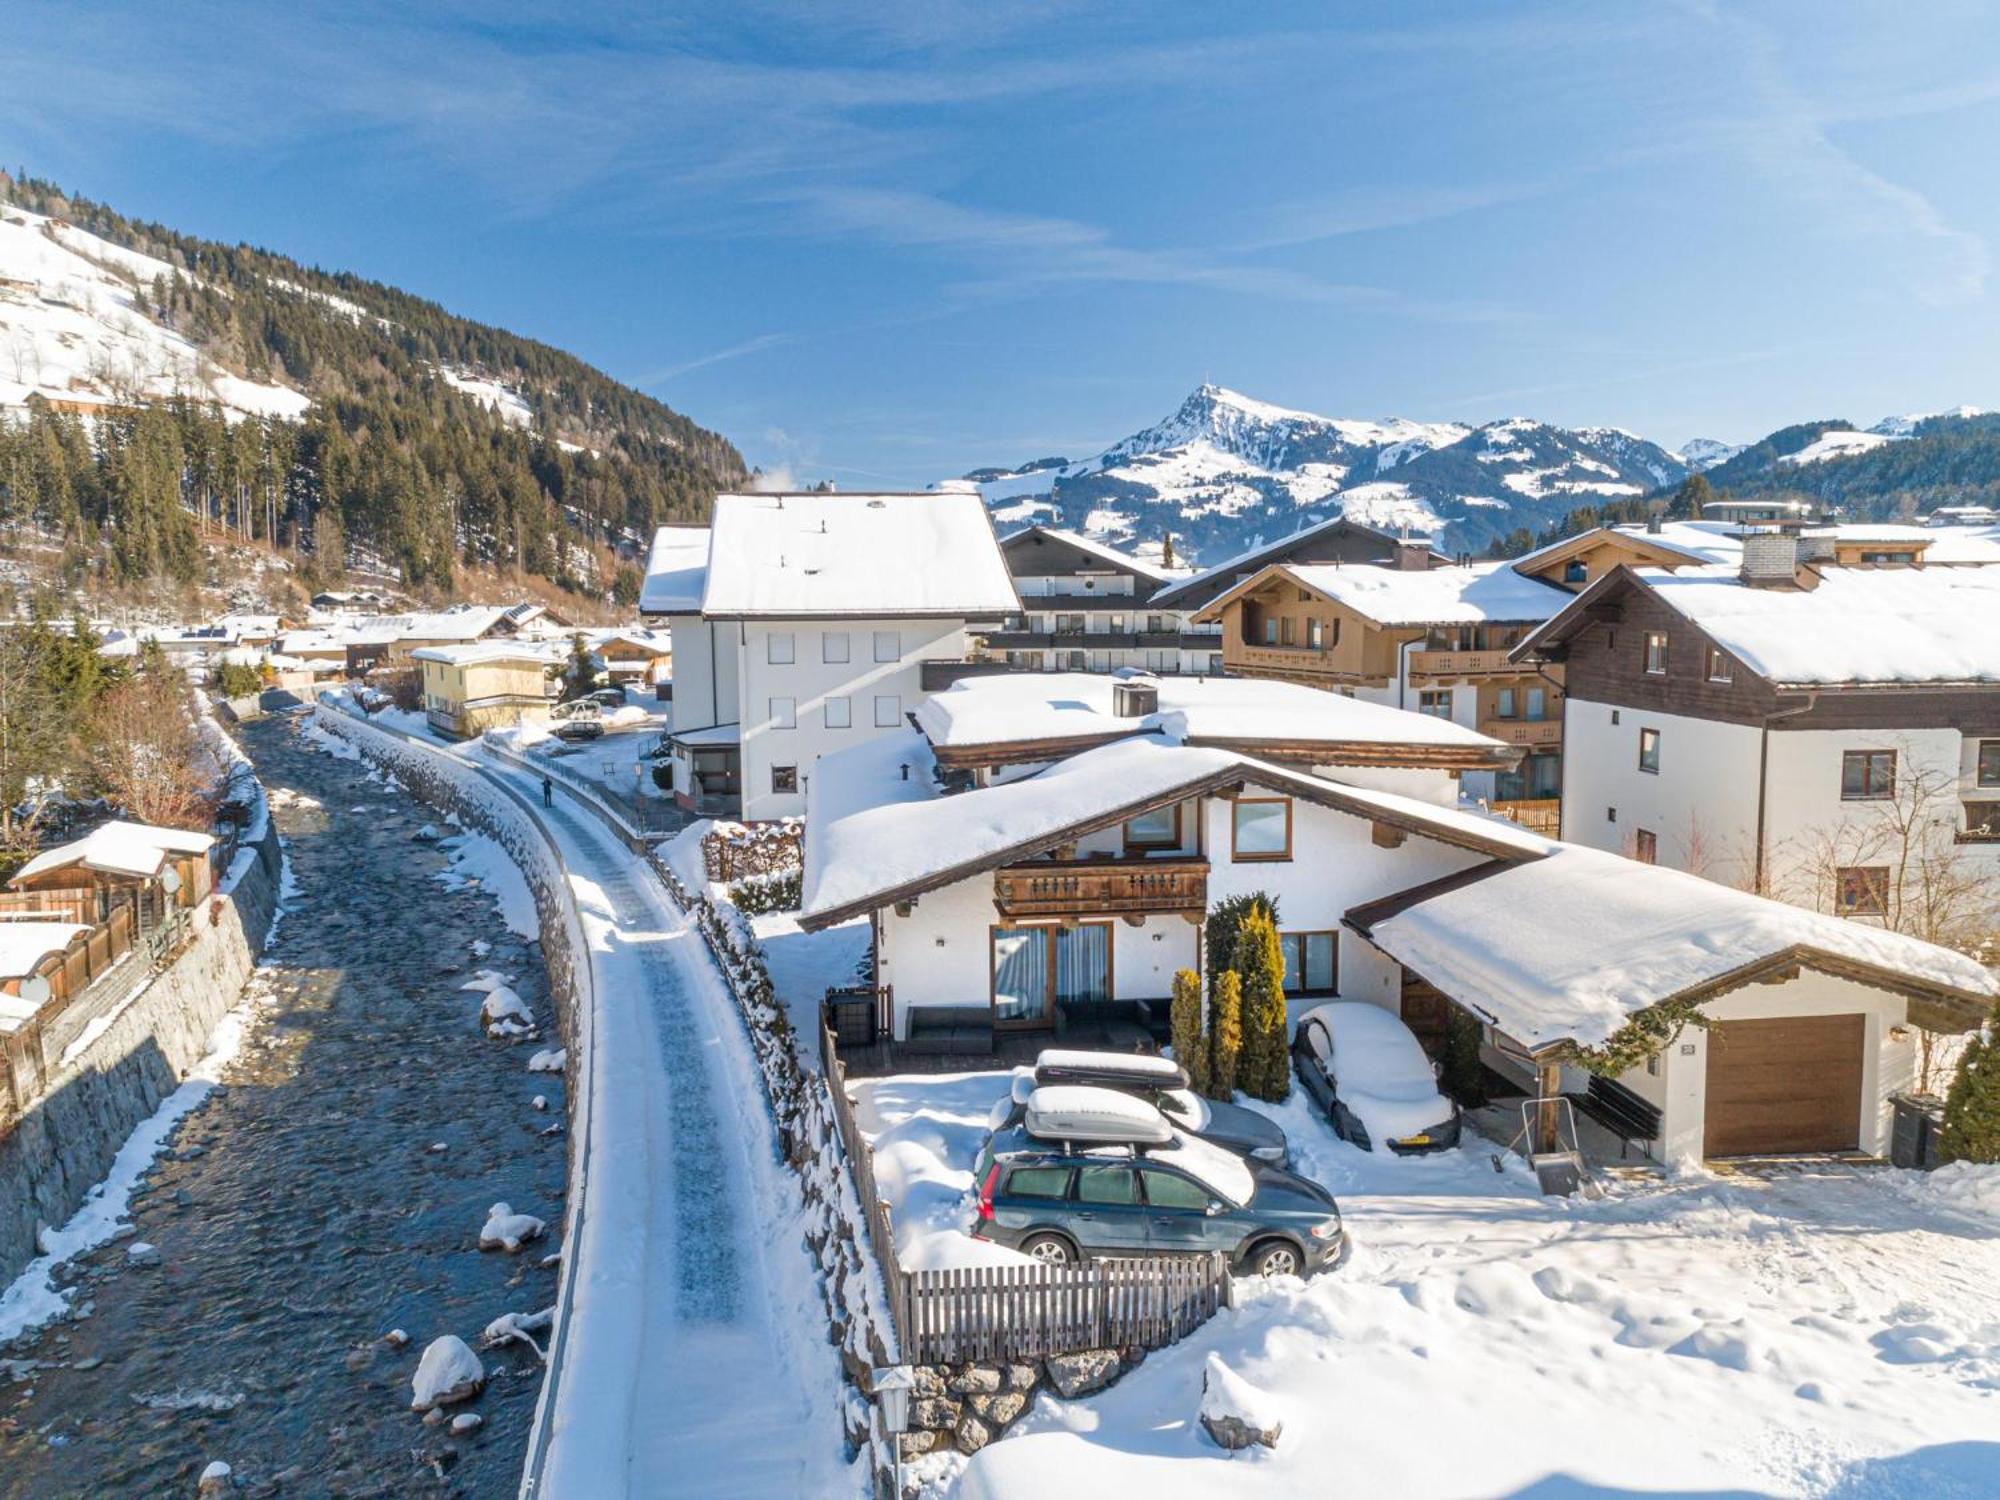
(891,1386)
(1899,1033)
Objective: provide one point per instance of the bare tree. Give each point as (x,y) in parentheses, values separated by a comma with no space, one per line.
(154,764)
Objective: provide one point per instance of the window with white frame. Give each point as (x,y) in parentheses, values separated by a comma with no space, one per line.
(779,648)
(888,645)
(784,713)
(833,646)
(888,710)
(839,713)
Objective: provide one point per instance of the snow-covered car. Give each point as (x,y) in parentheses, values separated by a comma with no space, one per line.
(1364,1068)
(1090,1171)
(580,727)
(1160,1082)
(577,708)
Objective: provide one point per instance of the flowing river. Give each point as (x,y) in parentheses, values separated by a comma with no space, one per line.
(304,1209)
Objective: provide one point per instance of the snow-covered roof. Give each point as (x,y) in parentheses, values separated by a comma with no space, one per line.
(462,622)
(1959,545)
(875,836)
(879,556)
(1111,555)
(1567,948)
(304,642)
(676,571)
(1697,541)
(23,945)
(118,848)
(478,653)
(1432,596)
(1015,707)
(1186,590)
(1859,625)
(713,735)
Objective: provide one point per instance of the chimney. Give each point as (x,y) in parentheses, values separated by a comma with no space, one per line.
(1411,558)
(1816,545)
(1653,524)
(1770,559)
(1135,697)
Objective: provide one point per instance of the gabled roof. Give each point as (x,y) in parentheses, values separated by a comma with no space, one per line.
(676,571)
(1566,949)
(117,848)
(1857,627)
(1020,542)
(1453,595)
(480,653)
(1190,593)
(928,555)
(875,838)
(1014,717)
(1675,544)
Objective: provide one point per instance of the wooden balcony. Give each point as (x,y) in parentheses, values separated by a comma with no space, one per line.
(1101,887)
(1538,733)
(1538,815)
(1447,664)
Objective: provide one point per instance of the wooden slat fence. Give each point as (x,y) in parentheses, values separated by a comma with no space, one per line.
(1020,1313)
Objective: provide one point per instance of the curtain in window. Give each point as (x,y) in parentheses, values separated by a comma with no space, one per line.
(1021,974)
(1083,965)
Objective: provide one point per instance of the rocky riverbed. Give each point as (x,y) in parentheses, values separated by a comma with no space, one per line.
(332,1190)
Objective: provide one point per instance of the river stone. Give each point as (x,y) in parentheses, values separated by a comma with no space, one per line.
(214,1479)
(142,1254)
(971,1434)
(448,1372)
(1080,1374)
(466,1422)
(975,1380)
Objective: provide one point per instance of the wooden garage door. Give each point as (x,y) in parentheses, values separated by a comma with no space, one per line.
(1778,1086)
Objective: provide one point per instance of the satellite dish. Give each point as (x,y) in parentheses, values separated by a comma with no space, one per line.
(170,880)
(35,989)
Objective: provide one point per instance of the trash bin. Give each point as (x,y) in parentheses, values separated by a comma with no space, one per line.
(1917,1120)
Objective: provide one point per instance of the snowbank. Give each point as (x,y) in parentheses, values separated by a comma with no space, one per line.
(448,1372)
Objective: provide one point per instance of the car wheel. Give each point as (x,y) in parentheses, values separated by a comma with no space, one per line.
(1049,1250)
(1275,1258)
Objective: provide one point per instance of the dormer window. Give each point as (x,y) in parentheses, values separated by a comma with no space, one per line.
(1718,664)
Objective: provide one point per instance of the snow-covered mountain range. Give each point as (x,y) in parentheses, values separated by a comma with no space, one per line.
(1225,471)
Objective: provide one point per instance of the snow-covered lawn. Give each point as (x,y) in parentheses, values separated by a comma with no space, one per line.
(803,965)
(1824,1331)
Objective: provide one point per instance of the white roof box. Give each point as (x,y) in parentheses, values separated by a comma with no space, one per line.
(1061,1065)
(1071,1112)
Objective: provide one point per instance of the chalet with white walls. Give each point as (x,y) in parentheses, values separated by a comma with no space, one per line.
(800,625)
(1829,734)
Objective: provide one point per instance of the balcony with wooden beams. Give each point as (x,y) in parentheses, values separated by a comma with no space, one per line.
(1534,733)
(1435,665)
(1102,887)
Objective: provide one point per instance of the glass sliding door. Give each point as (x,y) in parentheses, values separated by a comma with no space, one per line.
(1021,976)
(1037,969)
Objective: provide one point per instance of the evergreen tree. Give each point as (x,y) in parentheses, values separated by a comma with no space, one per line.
(1972,1108)
(1688,500)
(1264,1072)
(1190,1045)
(1225,1042)
(1224,921)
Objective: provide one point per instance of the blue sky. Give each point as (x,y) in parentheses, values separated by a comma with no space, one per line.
(887,242)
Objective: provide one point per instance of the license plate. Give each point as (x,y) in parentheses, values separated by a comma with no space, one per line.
(1414,1140)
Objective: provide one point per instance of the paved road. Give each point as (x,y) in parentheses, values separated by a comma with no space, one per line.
(699,1364)
(299,1212)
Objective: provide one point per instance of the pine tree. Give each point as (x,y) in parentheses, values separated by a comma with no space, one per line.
(1190,1046)
(1972,1108)
(1686,505)
(1224,921)
(1225,1042)
(1264,1074)
(1167,559)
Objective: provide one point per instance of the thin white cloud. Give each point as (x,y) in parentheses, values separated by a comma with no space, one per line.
(755,345)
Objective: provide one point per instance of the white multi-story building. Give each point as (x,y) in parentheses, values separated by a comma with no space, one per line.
(800,625)
(1828,734)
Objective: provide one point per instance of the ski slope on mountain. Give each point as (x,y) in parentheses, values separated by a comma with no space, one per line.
(74,330)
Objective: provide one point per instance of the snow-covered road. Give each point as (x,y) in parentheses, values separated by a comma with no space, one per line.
(698,1362)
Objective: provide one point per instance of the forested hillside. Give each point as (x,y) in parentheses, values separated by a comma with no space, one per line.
(430,443)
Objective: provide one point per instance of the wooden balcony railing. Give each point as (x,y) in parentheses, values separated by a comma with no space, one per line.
(1523,731)
(1101,887)
(1464,664)
(1538,815)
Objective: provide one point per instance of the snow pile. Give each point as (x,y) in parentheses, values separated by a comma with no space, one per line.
(1434,596)
(1236,1413)
(517,1328)
(477,860)
(547,1061)
(927,1131)
(506,1230)
(449,1372)
(503,1012)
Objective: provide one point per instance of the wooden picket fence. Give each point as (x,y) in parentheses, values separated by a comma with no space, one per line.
(1021,1313)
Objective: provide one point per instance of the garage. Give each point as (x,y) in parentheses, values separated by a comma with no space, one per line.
(1780,1086)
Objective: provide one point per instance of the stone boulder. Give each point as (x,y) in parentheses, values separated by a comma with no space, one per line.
(449,1372)
(1079,1374)
(1235,1413)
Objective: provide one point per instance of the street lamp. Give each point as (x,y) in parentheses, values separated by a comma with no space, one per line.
(892,1386)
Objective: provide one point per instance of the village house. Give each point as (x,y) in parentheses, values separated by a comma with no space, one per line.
(1086,607)
(1827,734)
(469,689)
(1430,639)
(800,623)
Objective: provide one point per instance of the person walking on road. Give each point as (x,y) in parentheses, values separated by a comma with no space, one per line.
(548,792)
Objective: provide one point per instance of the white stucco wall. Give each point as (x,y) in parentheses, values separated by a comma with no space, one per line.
(809,681)
(1701,807)
(704,672)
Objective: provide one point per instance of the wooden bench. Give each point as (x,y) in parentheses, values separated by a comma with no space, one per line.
(1620,1111)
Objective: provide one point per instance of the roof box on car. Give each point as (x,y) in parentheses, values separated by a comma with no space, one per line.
(1070,1112)
(1112,1069)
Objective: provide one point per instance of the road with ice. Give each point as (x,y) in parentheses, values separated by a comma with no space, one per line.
(697,1360)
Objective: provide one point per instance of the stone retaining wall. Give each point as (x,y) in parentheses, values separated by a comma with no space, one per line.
(968,1406)
(65,1142)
